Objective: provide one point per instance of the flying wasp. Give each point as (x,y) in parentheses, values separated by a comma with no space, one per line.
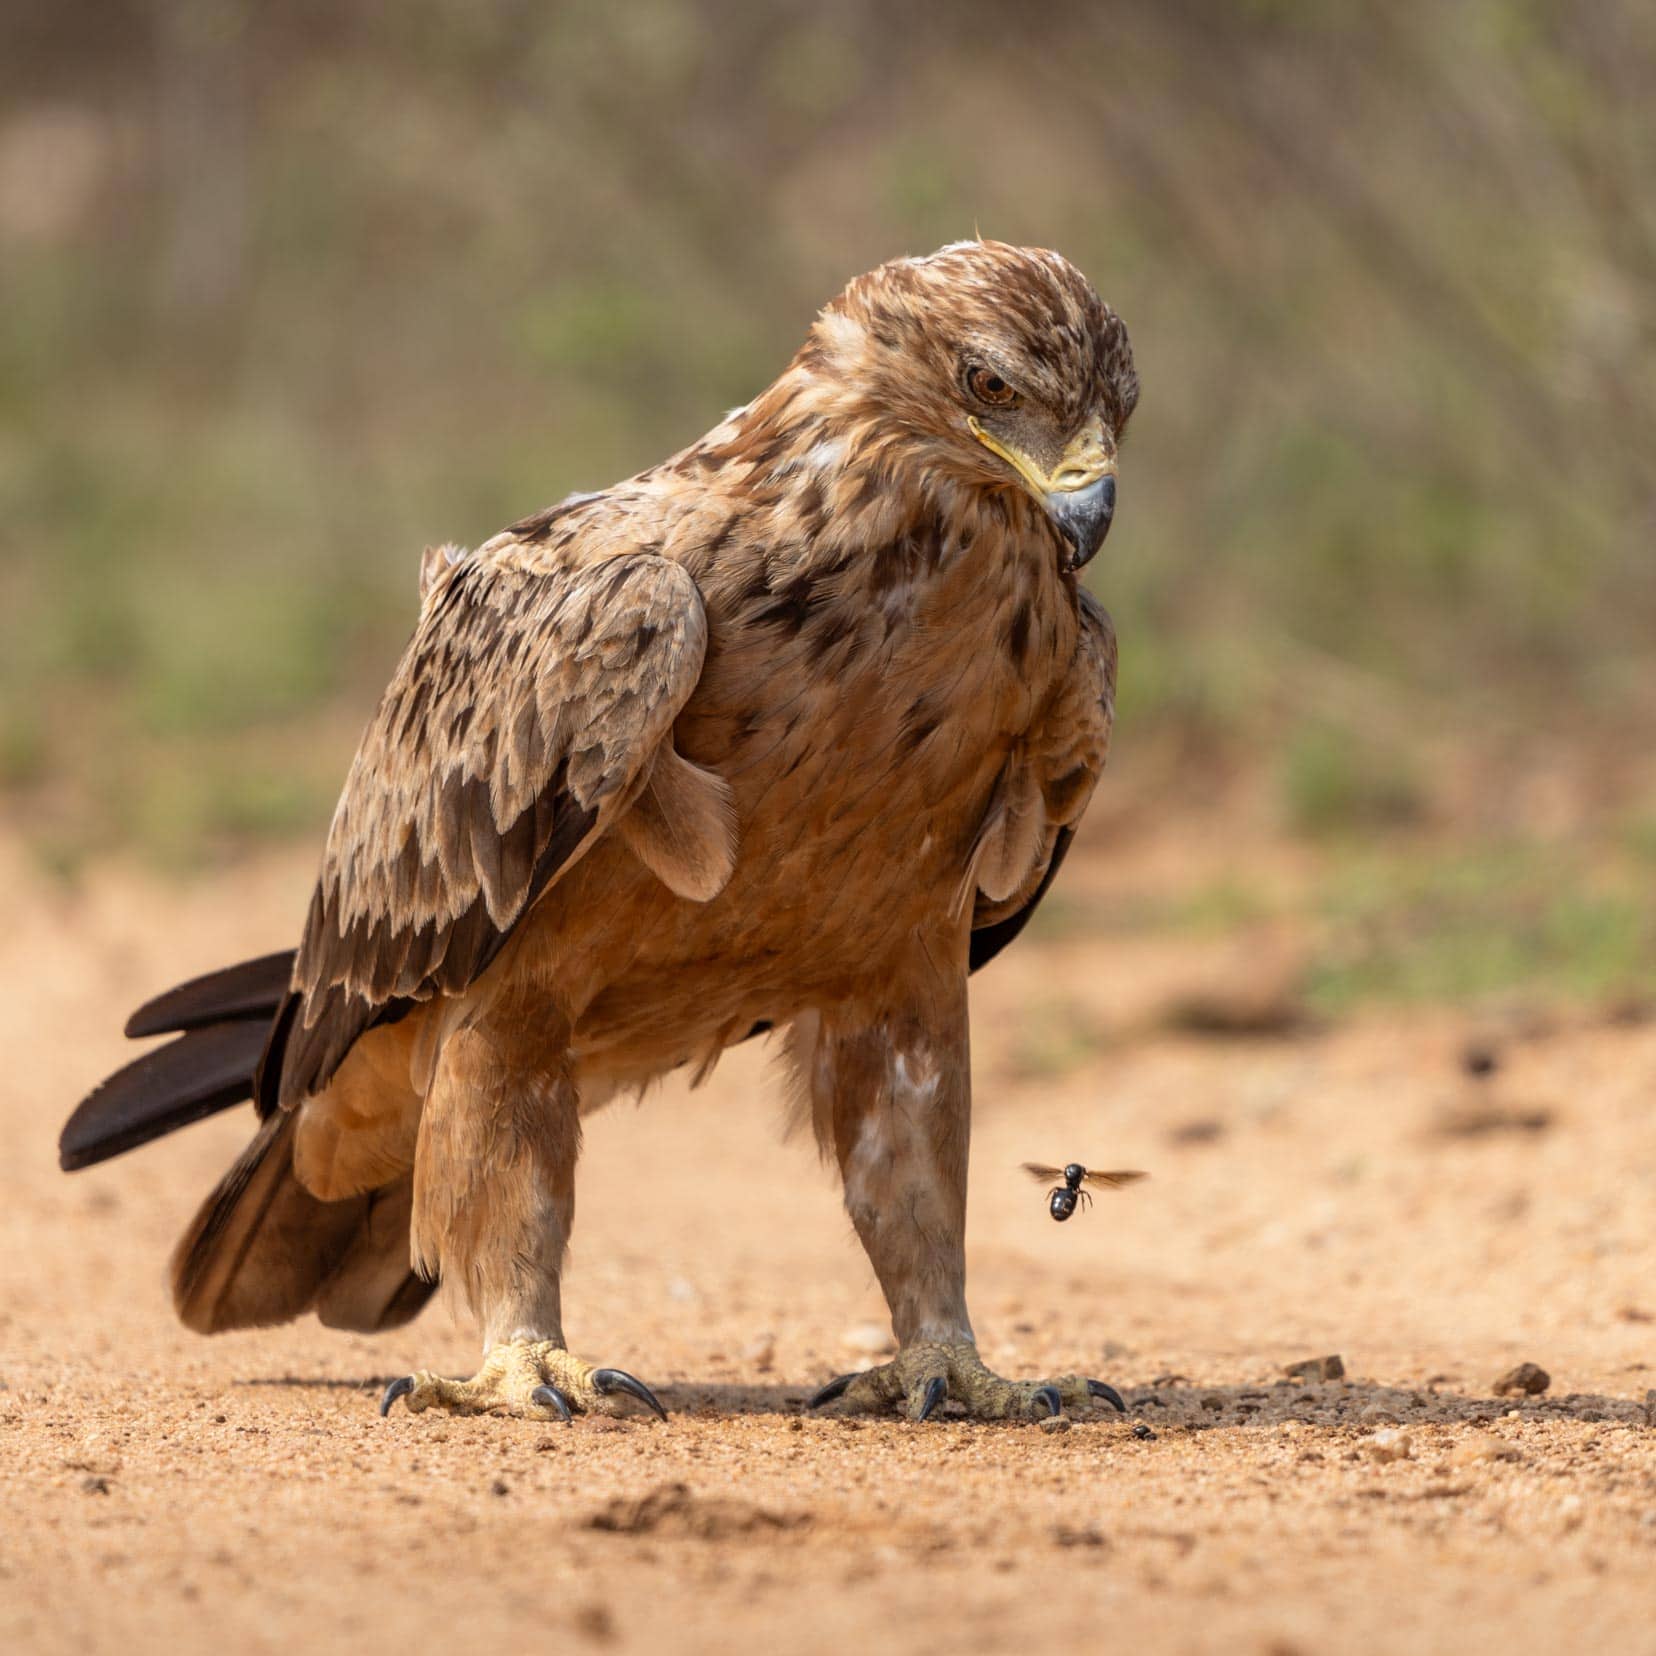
(1062,1199)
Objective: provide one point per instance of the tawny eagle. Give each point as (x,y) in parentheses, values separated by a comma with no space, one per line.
(789,732)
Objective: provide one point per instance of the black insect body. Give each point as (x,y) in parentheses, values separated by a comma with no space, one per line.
(1062,1200)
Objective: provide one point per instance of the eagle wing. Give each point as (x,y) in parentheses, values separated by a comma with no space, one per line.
(530,710)
(1044,790)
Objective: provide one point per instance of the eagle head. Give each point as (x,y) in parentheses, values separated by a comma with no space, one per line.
(999,367)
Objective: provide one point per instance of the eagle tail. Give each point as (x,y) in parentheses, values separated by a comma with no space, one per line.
(263,1250)
(221,1021)
(251,989)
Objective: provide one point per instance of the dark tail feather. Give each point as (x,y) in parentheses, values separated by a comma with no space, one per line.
(372,1286)
(261,1243)
(263,1250)
(267,1077)
(222,1017)
(250,989)
(195,1076)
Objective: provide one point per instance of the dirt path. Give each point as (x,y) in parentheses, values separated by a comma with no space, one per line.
(165,1492)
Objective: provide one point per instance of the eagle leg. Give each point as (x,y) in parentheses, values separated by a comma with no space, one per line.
(494,1201)
(890,1091)
(533,1379)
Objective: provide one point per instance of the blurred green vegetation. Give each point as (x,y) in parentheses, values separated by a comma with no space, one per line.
(1333,782)
(1470,925)
(288,293)
(1406,920)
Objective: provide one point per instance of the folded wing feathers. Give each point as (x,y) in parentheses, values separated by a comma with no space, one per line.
(528,703)
(682,827)
(1078,730)
(1043,792)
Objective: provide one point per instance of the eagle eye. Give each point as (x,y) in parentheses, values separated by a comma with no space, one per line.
(990,388)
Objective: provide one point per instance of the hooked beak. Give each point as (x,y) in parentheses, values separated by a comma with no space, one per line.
(1083,516)
(1079,495)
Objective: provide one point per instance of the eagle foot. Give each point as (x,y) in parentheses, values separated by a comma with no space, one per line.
(925,1373)
(532,1379)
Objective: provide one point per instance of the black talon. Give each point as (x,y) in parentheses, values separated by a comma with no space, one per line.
(937,1389)
(609,1380)
(1108,1393)
(551,1397)
(397,1388)
(831,1390)
(1049,1396)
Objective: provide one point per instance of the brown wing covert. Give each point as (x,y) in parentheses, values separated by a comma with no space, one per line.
(522,720)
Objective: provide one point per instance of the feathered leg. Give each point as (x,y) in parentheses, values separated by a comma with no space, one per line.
(494,1201)
(891,1093)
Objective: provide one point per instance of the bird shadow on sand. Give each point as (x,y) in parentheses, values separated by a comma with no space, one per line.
(1170,1402)
(685,1397)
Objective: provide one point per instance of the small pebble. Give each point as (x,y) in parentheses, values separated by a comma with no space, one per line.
(1529,1378)
(1480,1060)
(1199,1131)
(594,1621)
(1317,1368)
(1143,1433)
(1482,1446)
(1088,1537)
(500,1487)
(868,1338)
(1056,1423)
(1378,1414)
(1392,1444)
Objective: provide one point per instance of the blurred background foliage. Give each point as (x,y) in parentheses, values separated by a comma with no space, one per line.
(287,293)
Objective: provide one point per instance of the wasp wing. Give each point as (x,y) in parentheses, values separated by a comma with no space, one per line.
(1042,1173)
(1113,1180)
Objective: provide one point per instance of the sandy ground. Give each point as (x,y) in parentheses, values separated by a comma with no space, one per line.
(1312,1194)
